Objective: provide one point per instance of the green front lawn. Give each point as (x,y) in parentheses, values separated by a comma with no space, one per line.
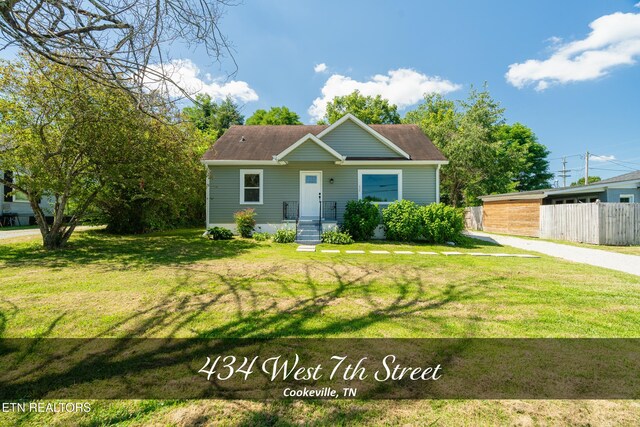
(177,284)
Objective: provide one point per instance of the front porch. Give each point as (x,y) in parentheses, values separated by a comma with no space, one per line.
(309,227)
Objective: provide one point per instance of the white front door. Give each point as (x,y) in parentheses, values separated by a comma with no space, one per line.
(310,194)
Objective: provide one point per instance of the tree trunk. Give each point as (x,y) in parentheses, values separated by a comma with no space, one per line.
(53,241)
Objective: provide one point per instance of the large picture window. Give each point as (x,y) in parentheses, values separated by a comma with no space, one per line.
(251,185)
(380,186)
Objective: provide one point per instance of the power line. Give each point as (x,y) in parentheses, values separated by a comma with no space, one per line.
(617,162)
(606,169)
(566,157)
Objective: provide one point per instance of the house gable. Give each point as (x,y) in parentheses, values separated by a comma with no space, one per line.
(309,148)
(354,139)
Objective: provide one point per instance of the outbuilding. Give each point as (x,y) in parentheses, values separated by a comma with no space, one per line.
(519,213)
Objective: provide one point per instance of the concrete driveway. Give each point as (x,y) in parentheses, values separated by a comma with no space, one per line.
(595,257)
(8,233)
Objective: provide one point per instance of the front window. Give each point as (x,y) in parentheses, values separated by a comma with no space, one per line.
(381,186)
(251,185)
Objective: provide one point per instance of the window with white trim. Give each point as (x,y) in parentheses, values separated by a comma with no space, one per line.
(381,186)
(627,198)
(251,185)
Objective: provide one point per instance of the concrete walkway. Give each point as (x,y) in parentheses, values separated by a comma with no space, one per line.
(595,257)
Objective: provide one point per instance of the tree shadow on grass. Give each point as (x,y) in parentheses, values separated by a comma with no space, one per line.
(406,295)
(327,300)
(177,247)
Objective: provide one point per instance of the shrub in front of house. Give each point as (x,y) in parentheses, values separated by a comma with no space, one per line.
(361,217)
(441,223)
(219,233)
(336,237)
(284,235)
(261,237)
(402,221)
(245,221)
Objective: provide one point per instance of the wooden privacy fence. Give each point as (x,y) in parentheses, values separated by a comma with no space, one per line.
(473,218)
(596,223)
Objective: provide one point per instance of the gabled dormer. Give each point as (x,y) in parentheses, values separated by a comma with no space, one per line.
(355,140)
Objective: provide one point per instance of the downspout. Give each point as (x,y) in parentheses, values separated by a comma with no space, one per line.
(206,221)
(438,184)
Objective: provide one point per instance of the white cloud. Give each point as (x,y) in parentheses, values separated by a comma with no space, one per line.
(554,40)
(637,4)
(402,87)
(187,76)
(602,158)
(614,40)
(320,68)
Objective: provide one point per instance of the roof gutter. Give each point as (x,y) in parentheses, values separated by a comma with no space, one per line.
(392,162)
(243,162)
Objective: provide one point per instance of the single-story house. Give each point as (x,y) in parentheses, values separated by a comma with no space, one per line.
(15,208)
(519,213)
(302,176)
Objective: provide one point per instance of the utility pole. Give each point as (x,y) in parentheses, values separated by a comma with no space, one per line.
(564,173)
(586,168)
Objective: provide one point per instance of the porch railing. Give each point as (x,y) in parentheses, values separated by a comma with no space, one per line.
(290,211)
(328,211)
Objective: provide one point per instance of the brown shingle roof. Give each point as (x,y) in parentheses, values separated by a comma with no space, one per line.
(264,142)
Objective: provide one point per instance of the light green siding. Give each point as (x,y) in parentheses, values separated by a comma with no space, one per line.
(281,183)
(351,140)
(310,151)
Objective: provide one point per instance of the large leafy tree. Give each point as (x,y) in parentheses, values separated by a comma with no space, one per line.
(275,116)
(531,169)
(212,118)
(163,187)
(485,155)
(70,141)
(62,135)
(371,110)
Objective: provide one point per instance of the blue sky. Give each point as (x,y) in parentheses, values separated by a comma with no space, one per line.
(567,69)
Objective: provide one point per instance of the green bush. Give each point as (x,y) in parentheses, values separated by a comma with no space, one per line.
(284,235)
(261,237)
(219,233)
(441,223)
(402,221)
(336,237)
(245,221)
(361,217)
